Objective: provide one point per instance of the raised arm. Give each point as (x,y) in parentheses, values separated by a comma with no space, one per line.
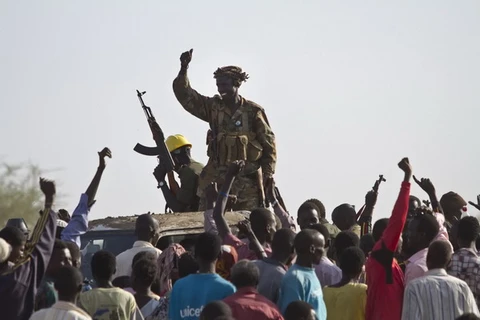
(193,102)
(285,218)
(429,188)
(393,231)
(266,138)
(244,227)
(38,249)
(222,199)
(78,225)
(365,220)
(172,201)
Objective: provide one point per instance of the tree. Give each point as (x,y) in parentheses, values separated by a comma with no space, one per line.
(20,195)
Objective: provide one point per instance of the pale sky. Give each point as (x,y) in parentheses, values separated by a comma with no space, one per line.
(349,88)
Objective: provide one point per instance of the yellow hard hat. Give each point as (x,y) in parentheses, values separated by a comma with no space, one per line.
(176,142)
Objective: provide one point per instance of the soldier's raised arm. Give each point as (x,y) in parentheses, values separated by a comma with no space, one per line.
(193,102)
(266,138)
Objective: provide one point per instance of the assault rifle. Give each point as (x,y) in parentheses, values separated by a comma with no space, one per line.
(161,150)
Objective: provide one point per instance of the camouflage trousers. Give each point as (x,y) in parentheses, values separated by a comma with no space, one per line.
(245,187)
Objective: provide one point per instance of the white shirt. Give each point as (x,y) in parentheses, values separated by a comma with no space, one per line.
(61,310)
(124,259)
(437,296)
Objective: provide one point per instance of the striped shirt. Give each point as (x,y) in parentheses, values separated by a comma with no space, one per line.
(437,296)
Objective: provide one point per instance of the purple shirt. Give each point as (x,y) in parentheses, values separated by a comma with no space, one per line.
(328,273)
(19,286)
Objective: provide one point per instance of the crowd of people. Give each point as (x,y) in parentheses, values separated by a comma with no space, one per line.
(266,270)
(421,263)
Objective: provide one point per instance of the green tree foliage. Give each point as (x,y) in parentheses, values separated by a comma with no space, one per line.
(20,194)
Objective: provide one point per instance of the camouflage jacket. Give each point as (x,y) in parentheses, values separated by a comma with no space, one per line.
(242,135)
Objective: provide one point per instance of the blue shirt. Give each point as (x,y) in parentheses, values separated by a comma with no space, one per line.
(192,293)
(301,284)
(78,225)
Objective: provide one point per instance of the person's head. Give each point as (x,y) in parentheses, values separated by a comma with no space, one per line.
(245,274)
(144,255)
(187,265)
(63,214)
(61,257)
(20,224)
(324,231)
(263,224)
(344,240)
(352,261)
(300,310)
(283,245)
(68,283)
(147,228)
(439,255)
(422,229)
(320,207)
(229,79)
(468,231)
(16,239)
(453,206)
(179,147)
(309,246)
(214,310)
(103,266)
(207,248)
(413,204)
(307,215)
(144,273)
(75,253)
(367,243)
(344,216)
(378,228)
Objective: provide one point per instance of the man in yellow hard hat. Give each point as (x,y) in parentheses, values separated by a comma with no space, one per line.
(183,198)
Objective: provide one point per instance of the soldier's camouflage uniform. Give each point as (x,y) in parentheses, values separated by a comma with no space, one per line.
(244,135)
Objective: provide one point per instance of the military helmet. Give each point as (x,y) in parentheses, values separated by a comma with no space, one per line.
(176,142)
(18,223)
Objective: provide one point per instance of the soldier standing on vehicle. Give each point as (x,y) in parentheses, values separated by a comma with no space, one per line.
(183,198)
(240,131)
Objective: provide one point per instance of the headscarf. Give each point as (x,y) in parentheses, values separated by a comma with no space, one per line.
(166,263)
(232,72)
(227,260)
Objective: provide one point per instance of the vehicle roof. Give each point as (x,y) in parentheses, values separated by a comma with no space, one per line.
(186,222)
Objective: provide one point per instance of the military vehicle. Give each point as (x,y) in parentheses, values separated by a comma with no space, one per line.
(117,234)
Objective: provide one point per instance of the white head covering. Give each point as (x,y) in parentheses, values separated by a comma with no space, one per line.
(5,250)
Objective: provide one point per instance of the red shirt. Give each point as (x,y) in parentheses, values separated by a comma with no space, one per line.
(243,248)
(247,303)
(384,301)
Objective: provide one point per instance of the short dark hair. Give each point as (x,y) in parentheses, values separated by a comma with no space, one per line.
(144,271)
(427,224)
(367,243)
(74,250)
(320,207)
(187,264)
(468,229)
(260,218)
(439,254)
(60,245)
(322,229)
(378,228)
(144,255)
(245,274)
(283,240)
(103,265)
(208,247)
(345,239)
(307,205)
(13,235)
(215,309)
(304,239)
(68,281)
(298,310)
(352,260)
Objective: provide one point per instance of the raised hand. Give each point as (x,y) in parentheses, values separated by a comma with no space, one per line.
(101,157)
(371,199)
(425,184)
(244,227)
(160,173)
(186,57)
(48,188)
(236,167)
